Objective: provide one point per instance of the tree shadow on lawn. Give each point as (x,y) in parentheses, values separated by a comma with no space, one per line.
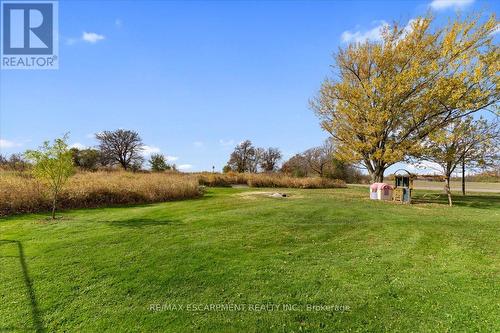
(486,201)
(35,311)
(63,212)
(141,222)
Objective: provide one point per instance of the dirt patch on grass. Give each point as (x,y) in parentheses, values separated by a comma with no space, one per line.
(269,194)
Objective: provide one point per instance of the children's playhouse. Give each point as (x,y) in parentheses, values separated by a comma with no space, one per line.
(400,192)
(380,191)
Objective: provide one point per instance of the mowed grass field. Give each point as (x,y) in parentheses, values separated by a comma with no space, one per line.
(373,266)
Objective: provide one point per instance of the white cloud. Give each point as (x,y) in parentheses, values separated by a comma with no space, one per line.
(447,4)
(198,144)
(118,23)
(171,158)
(185,167)
(374,34)
(9,144)
(78,145)
(226,143)
(149,150)
(92,37)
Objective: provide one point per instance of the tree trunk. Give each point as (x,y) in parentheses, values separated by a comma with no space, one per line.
(378,176)
(447,189)
(54,202)
(463,175)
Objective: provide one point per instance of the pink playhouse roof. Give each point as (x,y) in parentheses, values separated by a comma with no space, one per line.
(380,186)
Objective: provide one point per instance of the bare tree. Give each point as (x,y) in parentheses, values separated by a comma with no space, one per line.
(121,146)
(15,162)
(319,158)
(270,159)
(320,161)
(256,160)
(243,157)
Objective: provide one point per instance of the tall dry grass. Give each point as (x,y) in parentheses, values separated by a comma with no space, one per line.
(20,193)
(267,180)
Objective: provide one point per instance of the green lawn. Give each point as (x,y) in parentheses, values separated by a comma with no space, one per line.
(424,267)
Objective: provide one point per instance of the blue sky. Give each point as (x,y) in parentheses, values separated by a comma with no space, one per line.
(194,78)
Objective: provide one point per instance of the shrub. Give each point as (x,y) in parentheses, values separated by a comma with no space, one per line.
(158,163)
(87,159)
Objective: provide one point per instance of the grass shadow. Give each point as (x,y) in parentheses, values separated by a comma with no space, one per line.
(142,222)
(109,206)
(35,311)
(485,201)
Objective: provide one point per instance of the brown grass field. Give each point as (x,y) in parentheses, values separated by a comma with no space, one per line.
(21,193)
(266,180)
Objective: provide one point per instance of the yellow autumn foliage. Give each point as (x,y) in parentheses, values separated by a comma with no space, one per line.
(390,95)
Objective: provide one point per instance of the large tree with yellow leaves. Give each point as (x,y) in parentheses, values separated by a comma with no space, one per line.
(388,96)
